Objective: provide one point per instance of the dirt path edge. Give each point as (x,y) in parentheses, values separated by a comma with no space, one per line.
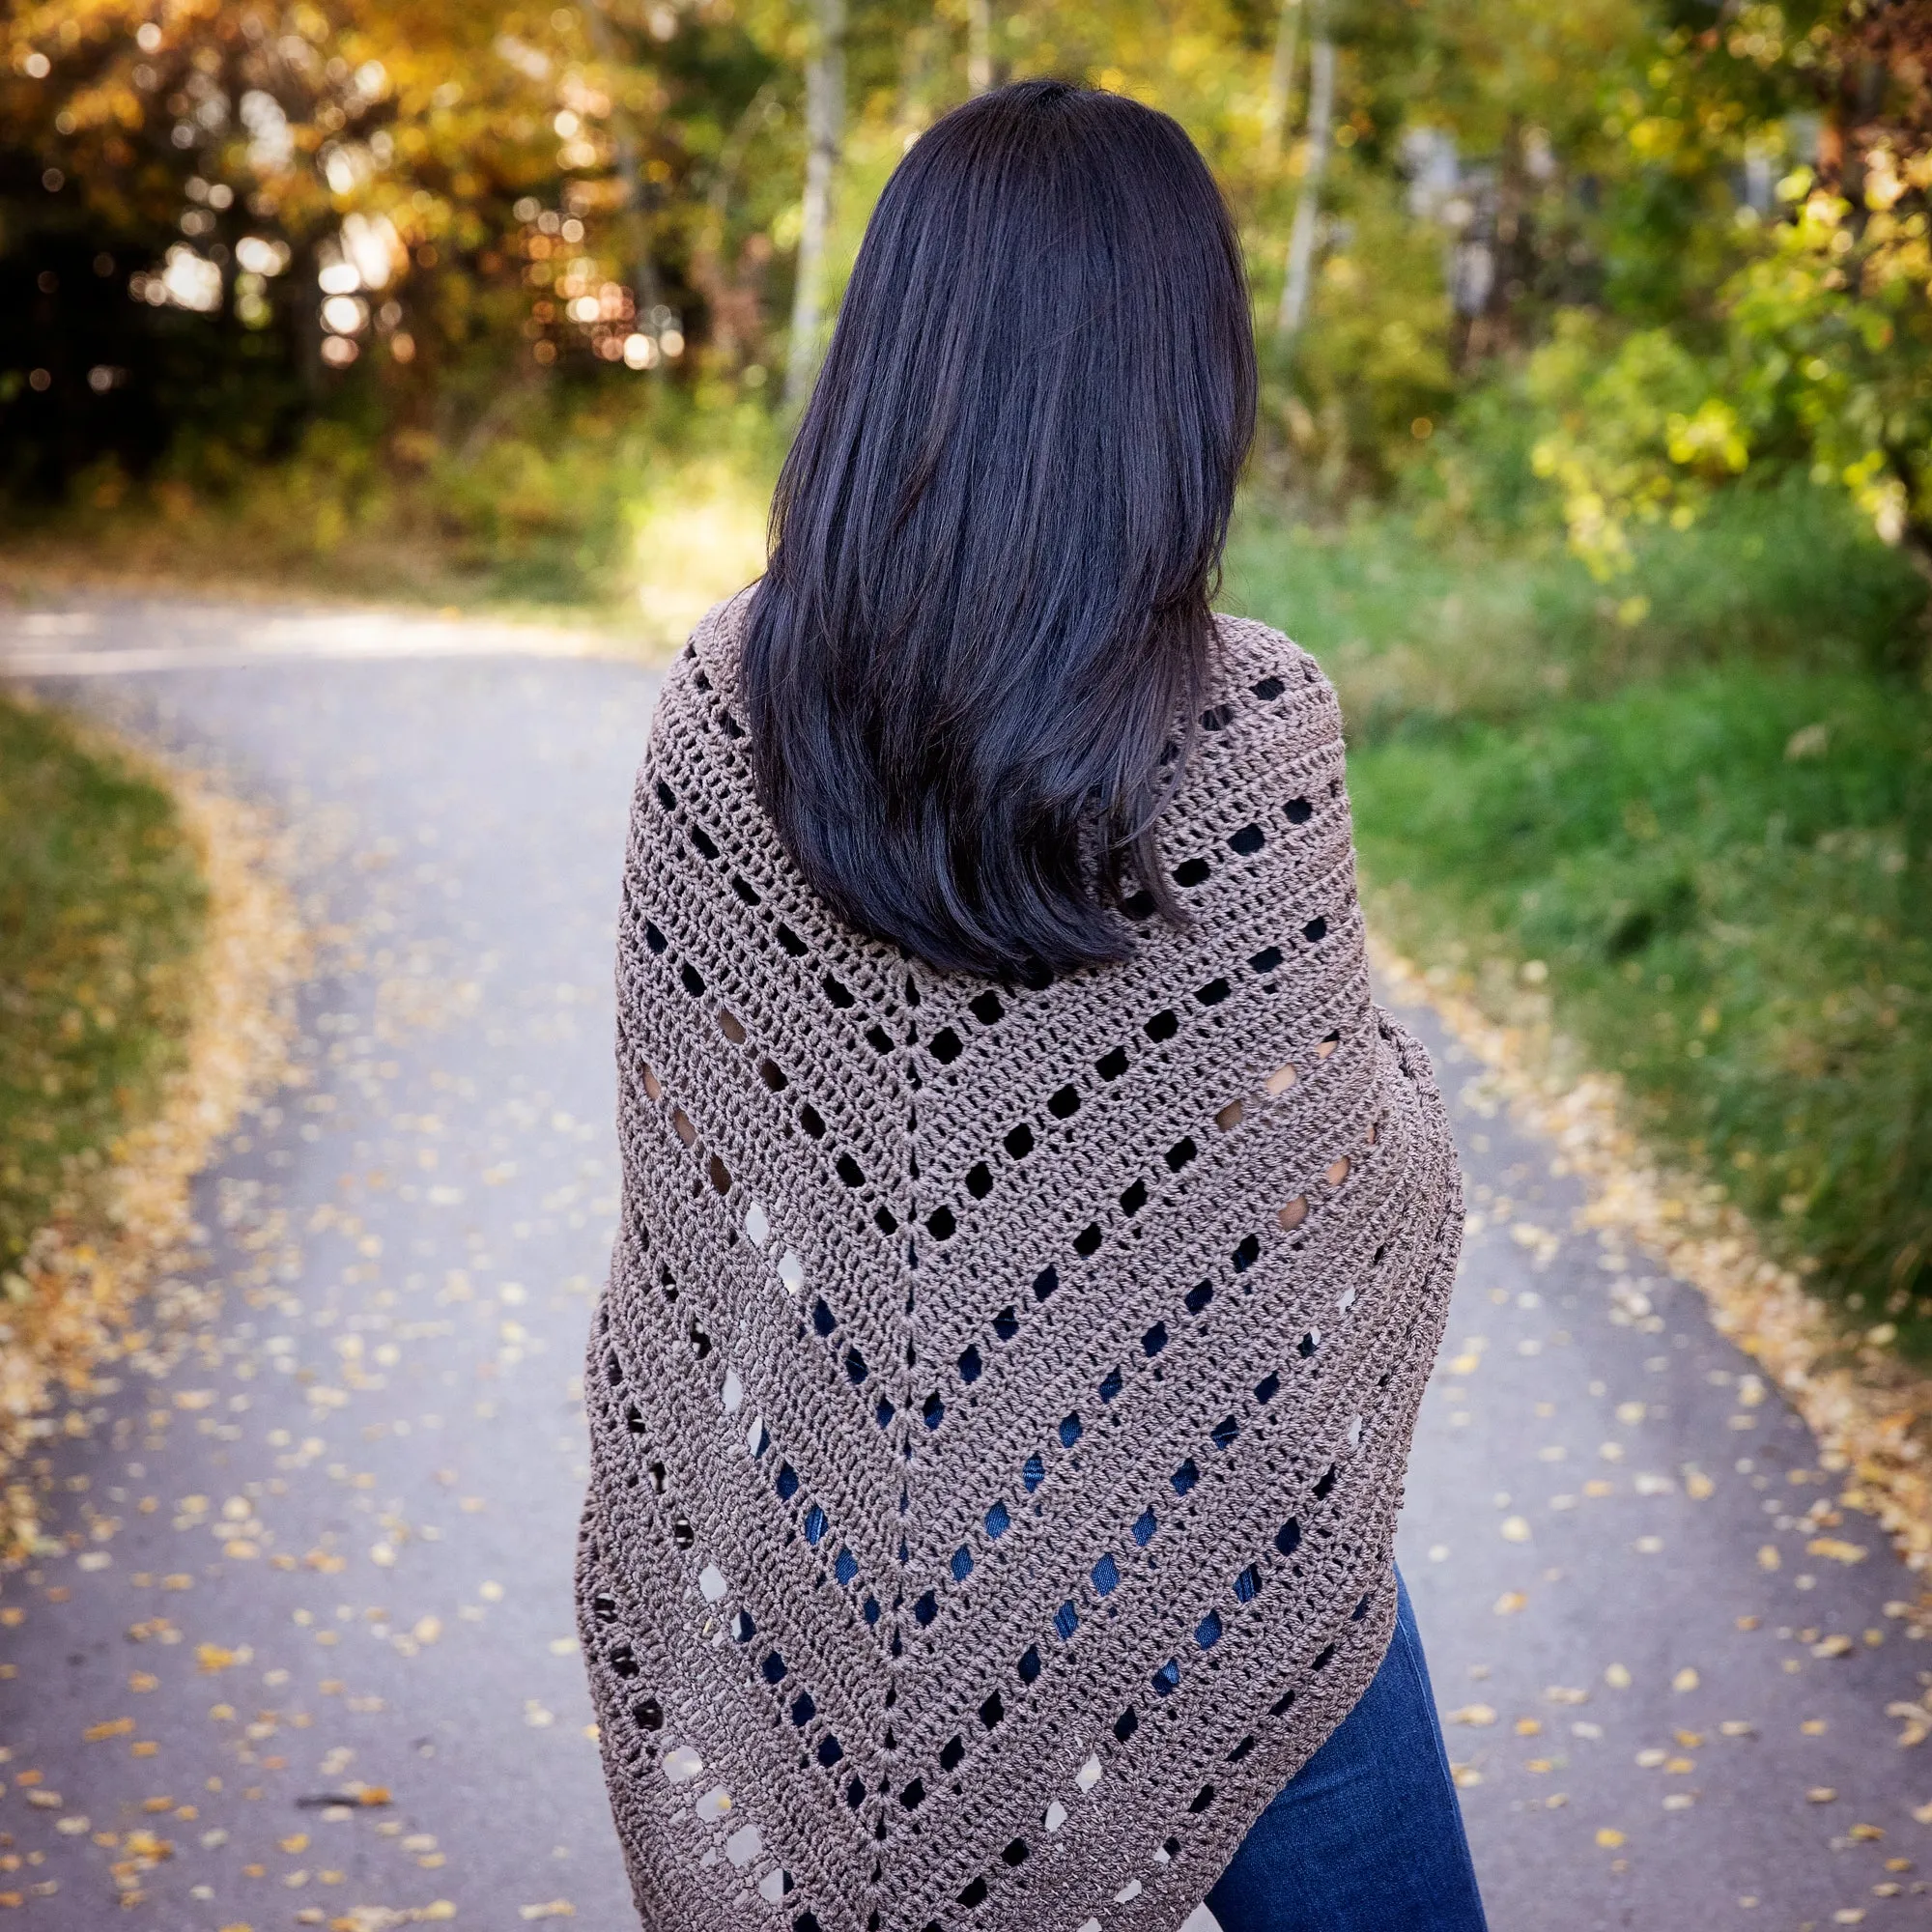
(96,1287)
(1872,1412)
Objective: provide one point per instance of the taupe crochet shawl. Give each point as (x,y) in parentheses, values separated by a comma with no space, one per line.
(1000,1402)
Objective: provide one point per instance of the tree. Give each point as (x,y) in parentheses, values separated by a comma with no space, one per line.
(824,133)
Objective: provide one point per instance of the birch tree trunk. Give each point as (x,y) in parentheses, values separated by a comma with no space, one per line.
(1308,203)
(633,228)
(1280,81)
(979,46)
(824,128)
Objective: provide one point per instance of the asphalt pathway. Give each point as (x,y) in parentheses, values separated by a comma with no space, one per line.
(306,1658)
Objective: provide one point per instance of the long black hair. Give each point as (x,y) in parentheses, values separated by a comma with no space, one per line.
(973,666)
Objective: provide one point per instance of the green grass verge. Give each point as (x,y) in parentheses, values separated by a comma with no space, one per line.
(101,908)
(1718,855)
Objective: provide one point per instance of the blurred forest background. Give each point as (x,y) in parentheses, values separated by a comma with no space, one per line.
(1596,455)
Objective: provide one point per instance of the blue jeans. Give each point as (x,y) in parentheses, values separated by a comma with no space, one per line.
(1367,1835)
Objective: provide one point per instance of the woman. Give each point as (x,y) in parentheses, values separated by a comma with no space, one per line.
(1034,1242)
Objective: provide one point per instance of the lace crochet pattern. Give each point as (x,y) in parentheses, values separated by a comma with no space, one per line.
(1000,1401)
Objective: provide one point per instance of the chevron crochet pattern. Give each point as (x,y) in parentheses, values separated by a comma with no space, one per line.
(1000,1401)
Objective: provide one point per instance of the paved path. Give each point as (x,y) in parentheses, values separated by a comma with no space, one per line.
(328,1554)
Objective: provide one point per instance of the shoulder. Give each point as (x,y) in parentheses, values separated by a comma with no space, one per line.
(1264,671)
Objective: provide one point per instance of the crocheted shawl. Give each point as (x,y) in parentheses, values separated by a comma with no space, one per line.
(1000,1401)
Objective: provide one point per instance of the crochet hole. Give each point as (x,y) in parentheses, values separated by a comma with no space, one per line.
(1054,1816)
(973,1893)
(653,938)
(1269,688)
(1019,1142)
(1087,1242)
(1248,841)
(1167,1679)
(1279,1081)
(836,992)
(693,981)
(745,889)
(1069,1429)
(721,1176)
(1029,1667)
(1199,1297)
(1164,1025)
(1185,1477)
(1327,1046)
(1326,1484)
(997,1521)
(1134,1198)
(1033,1474)
(970,1365)
(1229,1116)
(1106,1575)
(1299,812)
(980,1181)
(934,1409)
(914,1795)
(1180,1154)
(1064,1104)
(743,1629)
(952,1754)
(1193,872)
(941,1225)
(1089,1773)
(790,941)
(773,1885)
(714,1804)
(1266,961)
(1140,905)
(1336,1172)
(1217,718)
(682,1128)
(653,1086)
(1294,1213)
(681,1764)
(808,1118)
(1015,1854)
(1006,1323)
(1213,992)
(992,1711)
(731,1027)
(925,1609)
(946,1046)
(802,1709)
(962,1564)
(823,1320)
(1225,1433)
(1203,1797)
(1110,1385)
(1066,1621)
(1308,1344)
(1266,1389)
(1316,930)
(1045,1282)
(1111,1066)
(1207,1632)
(1154,1340)
(1248,1584)
(1145,1525)
(1126,1725)
(647,1714)
(986,1008)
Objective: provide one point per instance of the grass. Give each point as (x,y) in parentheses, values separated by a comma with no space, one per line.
(1702,827)
(101,907)
(632,519)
